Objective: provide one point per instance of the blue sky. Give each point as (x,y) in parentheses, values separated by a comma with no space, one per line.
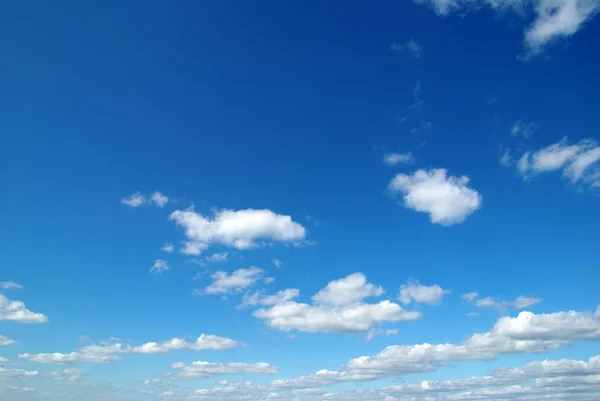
(305,201)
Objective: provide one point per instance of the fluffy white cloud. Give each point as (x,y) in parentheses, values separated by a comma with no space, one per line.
(257,298)
(16,310)
(201,369)
(392,159)
(578,162)
(338,307)
(552,326)
(447,199)
(521,302)
(159,267)
(347,290)
(137,199)
(4,341)
(6,285)
(225,283)
(552,19)
(204,342)
(236,228)
(421,294)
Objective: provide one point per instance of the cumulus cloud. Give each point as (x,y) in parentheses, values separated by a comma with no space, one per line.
(447,199)
(240,229)
(201,369)
(553,326)
(204,342)
(167,247)
(392,159)
(552,19)
(7,285)
(239,280)
(421,294)
(113,351)
(159,267)
(578,162)
(134,200)
(5,341)
(338,307)
(16,311)
(159,199)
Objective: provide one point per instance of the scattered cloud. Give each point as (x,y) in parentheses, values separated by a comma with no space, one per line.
(339,307)
(201,369)
(578,162)
(137,199)
(66,375)
(412,46)
(392,159)
(524,129)
(167,247)
(239,280)
(277,263)
(257,298)
(159,267)
(418,103)
(236,228)
(217,257)
(447,199)
(521,302)
(204,342)
(552,19)
(7,285)
(421,294)
(16,311)
(375,332)
(5,341)
(507,160)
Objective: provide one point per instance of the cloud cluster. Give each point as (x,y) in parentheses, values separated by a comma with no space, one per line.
(447,199)
(240,229)
(579,162)
(552,19)
(110,352)
(16,311)
(137,199)
(339,307)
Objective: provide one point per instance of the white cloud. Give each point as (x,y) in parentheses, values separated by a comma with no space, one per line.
(225,283)
(348,290)
(375,332)
(6,285)
(552,19)
(553,326)
(338,308)
(521,302)
(5,341)
(507,160)
(579,162)
(159,267)
(217,257)
(447,199)
(167,247)
(159,199)
(392,159)
(68,374)
(524,129)
(204,342)
(13,373)
(134,200)
(236,228)
(277,263)
(421,294)
(201,369)
(257,298)
(16,310)
(412,46)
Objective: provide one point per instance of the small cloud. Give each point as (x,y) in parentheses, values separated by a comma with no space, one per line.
(6,285)
(392,159)
(507,160)
(167,247)
(412,47)
(469,296)
(489,100)
(395,46)
(159,199)
(277,263)
(134,200)
(217,257)
(159,267)
(472,314)
(524,129)
(269,280)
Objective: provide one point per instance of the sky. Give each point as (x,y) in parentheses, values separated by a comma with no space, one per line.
(300,201)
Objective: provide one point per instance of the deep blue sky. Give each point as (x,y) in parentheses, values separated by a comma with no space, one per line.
(290,107)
